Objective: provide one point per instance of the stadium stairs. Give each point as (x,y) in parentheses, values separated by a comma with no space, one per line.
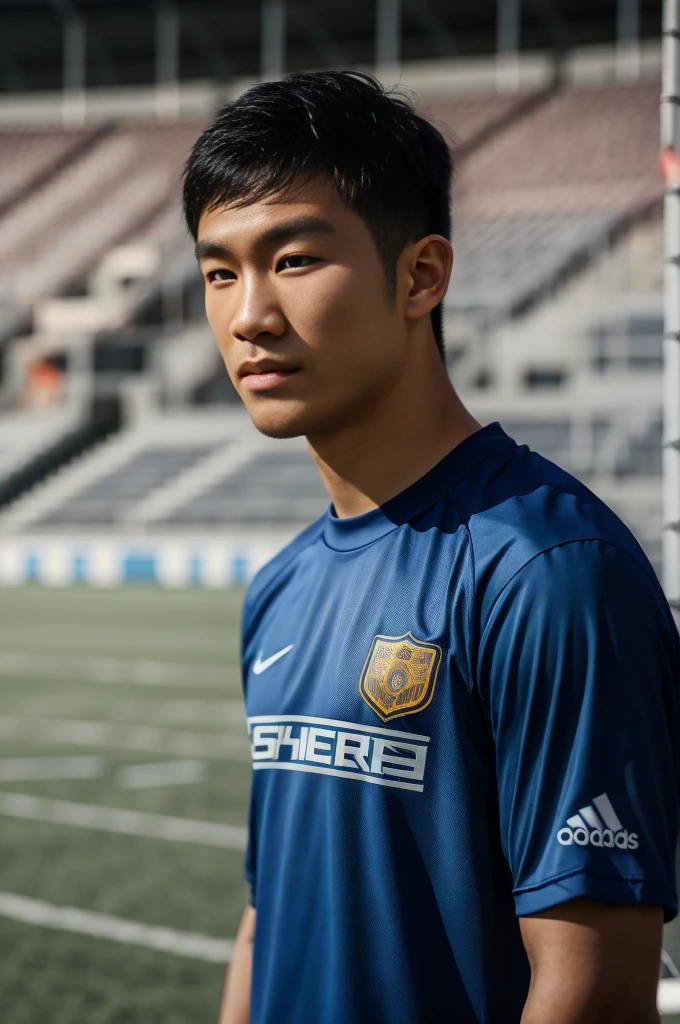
(536,204)
(531,224)
(576,380)
(73,169)
(56,453)
(140,476)
(125,180)
(42,156)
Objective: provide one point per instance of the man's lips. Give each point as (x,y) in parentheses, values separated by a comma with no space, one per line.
(265,376)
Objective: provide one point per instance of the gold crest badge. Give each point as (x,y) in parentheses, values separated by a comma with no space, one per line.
(399,675)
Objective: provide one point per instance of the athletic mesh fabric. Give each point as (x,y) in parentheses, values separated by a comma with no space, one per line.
(434,690)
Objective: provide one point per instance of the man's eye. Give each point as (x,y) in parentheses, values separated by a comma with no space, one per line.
(294,262)
(216,276)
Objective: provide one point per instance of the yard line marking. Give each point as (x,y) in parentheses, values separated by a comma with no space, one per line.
(36,769)
(144,672)
(161,773)
(231,712)
(226,713)
(169,940)
(154,673)
(121,736)
(668,996)
(116,929)
(668,963)
(116,819)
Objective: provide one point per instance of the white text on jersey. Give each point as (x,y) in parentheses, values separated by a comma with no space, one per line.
(323,746)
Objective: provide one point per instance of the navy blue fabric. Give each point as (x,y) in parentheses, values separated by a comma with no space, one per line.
(389,858)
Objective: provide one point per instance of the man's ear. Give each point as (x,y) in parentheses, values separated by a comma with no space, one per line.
(428,264)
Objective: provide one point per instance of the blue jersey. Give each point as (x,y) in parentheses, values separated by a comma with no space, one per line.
(463,708)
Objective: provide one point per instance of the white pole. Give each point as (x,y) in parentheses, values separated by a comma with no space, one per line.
(628,40)
(273,40)
(387,36)
(670,142)
(508,16)
(167,60)
(73,103)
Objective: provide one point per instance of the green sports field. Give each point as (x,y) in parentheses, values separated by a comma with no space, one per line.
(124,773)
(125,700)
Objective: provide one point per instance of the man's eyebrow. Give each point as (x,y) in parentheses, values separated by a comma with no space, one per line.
(307,225)
(206,250)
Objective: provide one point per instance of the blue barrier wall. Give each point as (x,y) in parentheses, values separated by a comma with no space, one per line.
(113,561)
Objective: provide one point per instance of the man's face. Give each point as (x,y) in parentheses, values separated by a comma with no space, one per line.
(297,298)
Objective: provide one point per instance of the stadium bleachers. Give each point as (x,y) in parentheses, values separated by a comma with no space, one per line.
(467,121)
(502,262)
(272,488)
(642,456)
(537,197)
(533,202)
(28,433)
(183,472)
(30,155)
(105,487)
(587,137)
(524,211)
(107,500)
(165,477)
(120,187)
(124,184)
(604,446)
(549,437)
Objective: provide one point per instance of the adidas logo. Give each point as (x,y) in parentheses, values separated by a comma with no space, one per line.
(597,826)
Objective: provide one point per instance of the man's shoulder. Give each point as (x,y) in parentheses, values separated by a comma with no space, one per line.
(529,508)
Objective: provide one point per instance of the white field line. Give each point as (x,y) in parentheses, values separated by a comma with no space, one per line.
(120,736)
(214,712)
(115,819)
(34,769)
(230,712)
(667,961)
(168,940)
(668,996)
(187,944)
(116,929)
(112,670)
(161,773)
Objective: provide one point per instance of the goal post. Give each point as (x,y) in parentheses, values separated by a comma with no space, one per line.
(670,158)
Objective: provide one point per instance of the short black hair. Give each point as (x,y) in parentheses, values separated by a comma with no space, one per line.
(391,166)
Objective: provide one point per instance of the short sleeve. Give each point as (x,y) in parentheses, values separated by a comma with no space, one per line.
(579,666)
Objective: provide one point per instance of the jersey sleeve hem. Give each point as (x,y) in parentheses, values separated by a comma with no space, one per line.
(618,890)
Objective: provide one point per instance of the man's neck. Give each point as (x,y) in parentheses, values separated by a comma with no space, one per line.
(367,463)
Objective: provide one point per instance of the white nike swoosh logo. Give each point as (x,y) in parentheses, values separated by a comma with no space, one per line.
(260,666)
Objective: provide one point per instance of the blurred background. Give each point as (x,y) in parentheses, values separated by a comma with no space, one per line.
(136,500)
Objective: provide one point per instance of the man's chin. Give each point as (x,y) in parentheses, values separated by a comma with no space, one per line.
(282,422)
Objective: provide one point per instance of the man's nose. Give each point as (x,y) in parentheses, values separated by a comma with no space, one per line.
(257,313)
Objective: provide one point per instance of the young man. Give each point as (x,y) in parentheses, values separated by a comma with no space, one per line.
(462,681)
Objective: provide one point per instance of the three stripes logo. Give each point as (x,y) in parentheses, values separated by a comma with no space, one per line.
(597,825)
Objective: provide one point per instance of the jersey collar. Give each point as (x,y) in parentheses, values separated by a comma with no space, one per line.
(357,531)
